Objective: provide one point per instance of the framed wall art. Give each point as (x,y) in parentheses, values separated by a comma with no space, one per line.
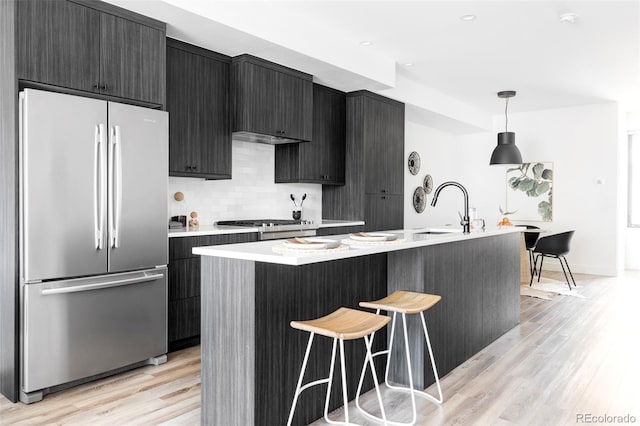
(530,192)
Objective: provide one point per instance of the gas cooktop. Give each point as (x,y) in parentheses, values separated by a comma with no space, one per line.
(271,229)
(256,223)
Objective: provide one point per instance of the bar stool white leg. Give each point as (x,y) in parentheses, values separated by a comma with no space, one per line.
(369,359)
(433,364)
(330,378)
(302,370)
(411,388)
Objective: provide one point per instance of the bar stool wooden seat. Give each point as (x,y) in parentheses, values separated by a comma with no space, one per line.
(343,324)
(403,302)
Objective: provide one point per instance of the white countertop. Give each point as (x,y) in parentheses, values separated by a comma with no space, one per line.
(262,251)
(210,230)
(221,230)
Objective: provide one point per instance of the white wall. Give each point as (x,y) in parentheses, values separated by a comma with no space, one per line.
(447,157)
(250,194)
(632,235)
(582,142)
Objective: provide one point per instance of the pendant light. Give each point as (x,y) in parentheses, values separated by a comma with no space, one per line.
(506,152)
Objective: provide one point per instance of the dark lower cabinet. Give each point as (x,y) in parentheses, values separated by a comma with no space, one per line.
(184,323)
(184,285)
(198,106)
(383,212)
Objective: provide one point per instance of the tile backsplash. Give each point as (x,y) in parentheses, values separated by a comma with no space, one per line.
(250,194)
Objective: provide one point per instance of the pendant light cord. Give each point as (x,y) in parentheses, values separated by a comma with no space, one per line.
(506,117)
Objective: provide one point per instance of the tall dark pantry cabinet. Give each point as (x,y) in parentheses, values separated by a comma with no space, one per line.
(374,166)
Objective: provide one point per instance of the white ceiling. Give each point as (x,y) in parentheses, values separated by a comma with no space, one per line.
(512,45)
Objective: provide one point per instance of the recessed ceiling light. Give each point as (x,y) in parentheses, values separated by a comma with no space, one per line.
(407,64)
(366,43)
(568,18)
(468,17)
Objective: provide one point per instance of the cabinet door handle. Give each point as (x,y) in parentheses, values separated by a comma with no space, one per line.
(383,197)
(384,191)
(104,87)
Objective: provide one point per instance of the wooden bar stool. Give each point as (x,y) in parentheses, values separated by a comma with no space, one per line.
(343,324)
(403,302)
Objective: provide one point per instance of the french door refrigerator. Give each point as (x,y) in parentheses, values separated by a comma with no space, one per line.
(93,238)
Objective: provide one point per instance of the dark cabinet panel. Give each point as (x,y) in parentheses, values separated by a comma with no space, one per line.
(58,43)
(284,293)
(321,160)
(133,60)
(383,212)
(294,106)
(184,278)
(198,106)
(338,230)
(184,285)
(270,100)
(500,302)
(184,321)
(254,98)
(374,164)
(92,47)
(180,247)
(478,281)
(385,149)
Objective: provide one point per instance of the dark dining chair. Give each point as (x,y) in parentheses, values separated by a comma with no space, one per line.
(530,239)
(556,245)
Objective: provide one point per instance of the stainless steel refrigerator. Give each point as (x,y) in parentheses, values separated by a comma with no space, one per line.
(93,238)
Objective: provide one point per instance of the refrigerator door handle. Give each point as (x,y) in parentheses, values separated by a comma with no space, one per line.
(118,202)
(103,182)
(108,284)
(98,182)
(115,186)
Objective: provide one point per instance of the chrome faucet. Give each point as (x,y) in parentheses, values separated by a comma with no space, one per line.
(465,219)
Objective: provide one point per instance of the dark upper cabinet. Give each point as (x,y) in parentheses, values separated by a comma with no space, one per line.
(374,165)
(198,106)
(132,60)
(58,43)
(321,160)
(93,47)
(270,101)
(384,153)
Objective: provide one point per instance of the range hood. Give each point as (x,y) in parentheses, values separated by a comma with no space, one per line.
(270,103)
(260,138)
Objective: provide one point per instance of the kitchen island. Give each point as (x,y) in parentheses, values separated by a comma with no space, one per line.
(251,291)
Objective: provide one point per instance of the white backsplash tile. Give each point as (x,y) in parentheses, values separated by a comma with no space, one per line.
(250,194)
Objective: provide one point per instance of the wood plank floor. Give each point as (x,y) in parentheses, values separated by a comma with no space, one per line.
(569,356)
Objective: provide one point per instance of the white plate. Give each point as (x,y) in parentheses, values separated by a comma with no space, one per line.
(311,244)
(373,236)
